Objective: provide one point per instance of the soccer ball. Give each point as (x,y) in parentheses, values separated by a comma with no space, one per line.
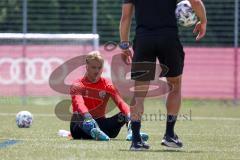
(24,119)
(185,15)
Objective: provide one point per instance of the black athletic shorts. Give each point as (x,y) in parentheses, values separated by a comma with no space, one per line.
(147,49)
(111,126)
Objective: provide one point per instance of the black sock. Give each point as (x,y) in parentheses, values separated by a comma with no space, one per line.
(135,126)
(171,120)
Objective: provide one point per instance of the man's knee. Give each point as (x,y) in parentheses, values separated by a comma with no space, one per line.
(175,83)
(141,89)
(113,135)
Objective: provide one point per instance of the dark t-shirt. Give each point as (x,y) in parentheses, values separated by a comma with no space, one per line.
(154,16)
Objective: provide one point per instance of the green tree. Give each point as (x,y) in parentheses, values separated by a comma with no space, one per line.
(43,16)
(10,16)
(75,16)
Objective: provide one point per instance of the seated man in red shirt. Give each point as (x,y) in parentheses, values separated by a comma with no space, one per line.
(90,95)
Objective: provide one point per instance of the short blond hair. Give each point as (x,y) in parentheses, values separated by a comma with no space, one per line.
(94,55)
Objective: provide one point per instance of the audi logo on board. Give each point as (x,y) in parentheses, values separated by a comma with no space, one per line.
(37,70)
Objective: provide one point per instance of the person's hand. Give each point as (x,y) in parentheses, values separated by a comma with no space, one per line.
(128,117)
(89,123)
(127,56)
(200,29)
(87,116)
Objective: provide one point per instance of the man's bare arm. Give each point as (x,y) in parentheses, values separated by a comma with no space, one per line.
(200,11)
(126,20)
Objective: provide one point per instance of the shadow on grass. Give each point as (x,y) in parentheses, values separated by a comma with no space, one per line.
(164,150)
(113,139)
(90,140)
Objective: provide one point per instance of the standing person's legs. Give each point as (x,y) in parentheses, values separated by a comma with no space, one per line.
(137,108)
(142,71)
(173,58)
(173,104)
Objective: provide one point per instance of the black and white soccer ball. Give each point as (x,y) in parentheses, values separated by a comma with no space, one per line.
(185,15)
(24,119)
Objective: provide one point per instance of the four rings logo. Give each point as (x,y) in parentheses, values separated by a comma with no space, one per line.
(37,70)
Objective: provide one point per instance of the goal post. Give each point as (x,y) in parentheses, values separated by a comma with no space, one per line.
(94,38)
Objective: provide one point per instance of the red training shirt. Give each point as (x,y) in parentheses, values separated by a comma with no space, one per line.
(93,97)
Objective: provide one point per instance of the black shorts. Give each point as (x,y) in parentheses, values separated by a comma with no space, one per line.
(111,126)
(167,49)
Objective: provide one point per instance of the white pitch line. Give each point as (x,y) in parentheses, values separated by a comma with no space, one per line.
(192,118)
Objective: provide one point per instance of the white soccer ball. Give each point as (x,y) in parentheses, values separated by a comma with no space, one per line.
(185,15)
(24,119)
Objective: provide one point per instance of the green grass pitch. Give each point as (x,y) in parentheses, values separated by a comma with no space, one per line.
(210,130)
